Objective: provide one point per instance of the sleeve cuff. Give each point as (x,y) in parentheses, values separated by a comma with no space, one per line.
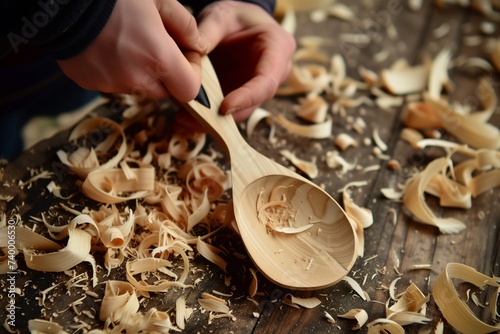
(85,28)
(267,5)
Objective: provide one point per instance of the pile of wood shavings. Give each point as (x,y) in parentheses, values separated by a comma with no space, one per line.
(159,201)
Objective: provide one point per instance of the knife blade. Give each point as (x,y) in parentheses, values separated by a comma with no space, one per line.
(202,97)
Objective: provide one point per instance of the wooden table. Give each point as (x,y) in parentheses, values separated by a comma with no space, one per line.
(390,248)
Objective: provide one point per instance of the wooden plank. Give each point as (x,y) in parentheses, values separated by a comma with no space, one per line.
(392,247)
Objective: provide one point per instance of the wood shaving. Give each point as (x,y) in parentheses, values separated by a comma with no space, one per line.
(335,161)
(341,11)
(329,318)
(441,31)
(315,131)
(360,315)
(344,141)
(409,308)
(384,326)
(378,141)
(455,311)
(313,109)
(355,286)
(252,289)
(309,168)
(294,301)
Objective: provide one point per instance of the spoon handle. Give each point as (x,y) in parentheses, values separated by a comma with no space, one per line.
(222,127)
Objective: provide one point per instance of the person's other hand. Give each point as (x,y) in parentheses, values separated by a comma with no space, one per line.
(250,51)
(148,48)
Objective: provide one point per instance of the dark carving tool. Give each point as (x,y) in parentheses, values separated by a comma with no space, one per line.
(202,97)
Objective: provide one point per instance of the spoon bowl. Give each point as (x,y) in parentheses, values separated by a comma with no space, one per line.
(295,233)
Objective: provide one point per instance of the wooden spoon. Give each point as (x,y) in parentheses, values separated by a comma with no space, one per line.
(315,258)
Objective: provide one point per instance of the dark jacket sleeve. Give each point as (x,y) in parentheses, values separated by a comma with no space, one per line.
(198,5)
(62,27)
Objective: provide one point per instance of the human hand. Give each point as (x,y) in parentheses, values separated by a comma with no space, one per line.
(250,51)
(147,48)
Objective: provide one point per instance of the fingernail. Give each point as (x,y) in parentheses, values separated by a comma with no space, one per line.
(231,110)
(202,43)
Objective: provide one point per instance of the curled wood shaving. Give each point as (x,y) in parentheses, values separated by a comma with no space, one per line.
(360,315)
(355,286)
(411,136)
(307,167)
(294,301)
(495,55)
(360,217)
(56,190)
(309,54)
(211,253)
(334,161)
(277,214)
(314,42)
(470,178)
(384,326)
(108,185)
(341,11)
(409,308)
(456,311)
(313,109)
(41,175)
(378,141)
(80,231)
(103,133)
(470,129)
(369,76)
(479,63)
(315,131)
(438,75)
(181,312)
(180,144)
(405,81)
(415,5)
(305,79)
(252,289)
(414,199)
(119,301)
(254,119)
(40,326)
(301,6)
(441,31)
(214,304)
(146,265)
(435,112)
(329,317)
(344,141)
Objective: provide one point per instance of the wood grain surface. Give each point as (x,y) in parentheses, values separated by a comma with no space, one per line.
(392,247)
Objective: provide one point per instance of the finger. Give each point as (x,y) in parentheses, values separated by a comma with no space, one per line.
(270,72)
(215,23)
(243,114)
(180,73)
(181,25)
